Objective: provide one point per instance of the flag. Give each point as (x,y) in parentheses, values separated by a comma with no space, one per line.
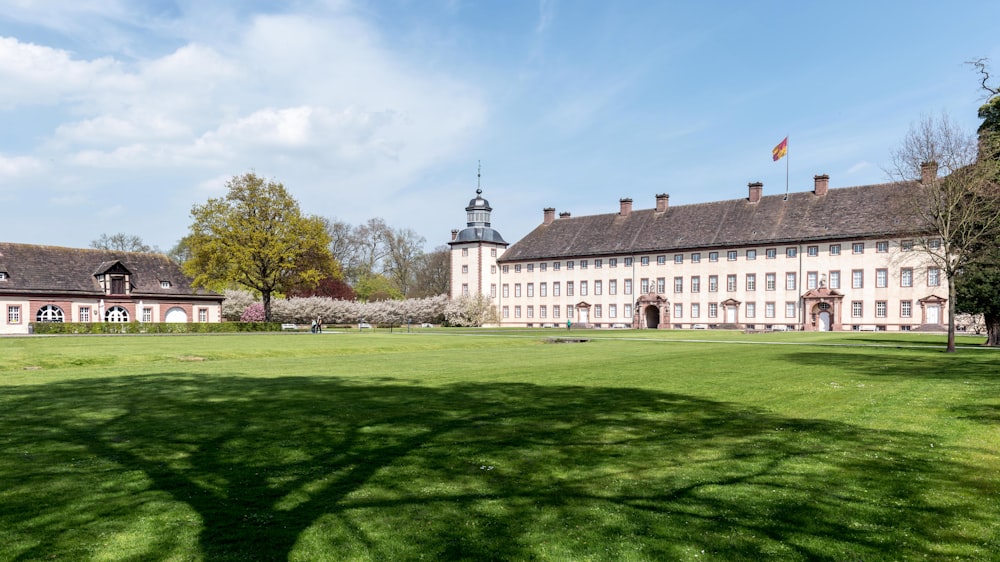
(778,152)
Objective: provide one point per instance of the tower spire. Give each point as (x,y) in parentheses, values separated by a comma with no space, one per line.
(479,177)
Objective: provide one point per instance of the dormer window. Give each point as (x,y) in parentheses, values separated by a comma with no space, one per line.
(3,276)
(117,284)
(164,284)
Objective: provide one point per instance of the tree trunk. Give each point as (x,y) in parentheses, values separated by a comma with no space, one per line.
(992,322)
(266,297)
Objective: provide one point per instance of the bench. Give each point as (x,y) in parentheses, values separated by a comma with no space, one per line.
(289,326)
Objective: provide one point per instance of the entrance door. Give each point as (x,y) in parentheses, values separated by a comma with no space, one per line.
(652,317)
(730,314)
(933,314)
(584,316)
(824,321)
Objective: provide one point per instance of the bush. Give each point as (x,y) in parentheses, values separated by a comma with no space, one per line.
(152,328)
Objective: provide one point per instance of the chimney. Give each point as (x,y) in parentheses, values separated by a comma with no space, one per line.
(454,234)
(626,208)
(756,189)
(564,215)
(821,185)
(550,215)
(928,172)
(662,202)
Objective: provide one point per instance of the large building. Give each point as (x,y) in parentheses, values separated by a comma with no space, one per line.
(54,284)
(826,259)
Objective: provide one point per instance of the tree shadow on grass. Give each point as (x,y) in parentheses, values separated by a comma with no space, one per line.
(177,466)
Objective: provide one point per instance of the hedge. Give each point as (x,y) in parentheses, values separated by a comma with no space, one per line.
(152,327)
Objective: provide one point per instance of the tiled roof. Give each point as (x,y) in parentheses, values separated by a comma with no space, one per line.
(844,213)
(52,269)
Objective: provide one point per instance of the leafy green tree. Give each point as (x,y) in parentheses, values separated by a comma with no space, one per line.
(376,288)
(257,237)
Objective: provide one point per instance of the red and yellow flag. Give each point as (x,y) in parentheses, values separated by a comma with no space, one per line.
(778,152)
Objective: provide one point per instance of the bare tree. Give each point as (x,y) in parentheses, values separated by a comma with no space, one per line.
(957,211)
(404,250)
(433,275)
(122,242)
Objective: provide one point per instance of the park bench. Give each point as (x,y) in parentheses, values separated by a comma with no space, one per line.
(289,326)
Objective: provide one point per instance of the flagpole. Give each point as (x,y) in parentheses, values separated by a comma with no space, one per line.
(786,168)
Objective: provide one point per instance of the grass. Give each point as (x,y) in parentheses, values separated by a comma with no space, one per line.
(498,446)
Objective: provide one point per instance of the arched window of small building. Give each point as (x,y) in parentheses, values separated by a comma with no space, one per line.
(116,314)
(50,313)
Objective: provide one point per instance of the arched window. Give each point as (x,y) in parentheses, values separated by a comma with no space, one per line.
(116,314)
(49,313)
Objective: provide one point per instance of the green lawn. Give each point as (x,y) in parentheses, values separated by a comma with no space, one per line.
(495,445)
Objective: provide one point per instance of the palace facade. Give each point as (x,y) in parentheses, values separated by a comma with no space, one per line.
(55,284)
(826,259)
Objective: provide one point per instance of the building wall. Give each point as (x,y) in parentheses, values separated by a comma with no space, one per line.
(474,269)
(72,310)
(528,290)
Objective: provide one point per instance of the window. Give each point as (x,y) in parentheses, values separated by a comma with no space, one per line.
(643,286)
(569,288)
(583,288)
(555,288)
(203,315)
(531,268)
(3,276)
(906,245)
(661,285)
(790,309)
(678,258)
(13,314)
(934,244)
(543,311)
(835,279)
(857,278)
(906,277)
(517,268)
(771,253)
(695,310)
(531,311)
(627,311)
(583,264)
(628,287)
(517,290)
(493,269)
(49,313)
(465,269)
(164,284)
(881,278)
(731,283)
(770,281)
(117,285)
(543,289)
(751,281)
(465,289)
(834,249)
(696,257)
(569,264)
(933,277)
(880,309)
(555,311)
(856,309)
(147,314)
(612,286)
(751,255)
(517,311)
(612,262)
(465,252)
(598,264)
(628,262)
(531,289)
(493,252)
(713,310)
(812,251)
(713,283)
(696,284)
(493,290)
(555,265)
(678,310)
(506,269)
(644,260)
(506,290)
(597,311)
(858,248)
(713,256)
(731,255)
(812,279)
(882,247)
(506,312)
(906,309)
(569,311)
(791,252)
(790,281)
(662,260)
(541,267)
(84,314)
(612,311)
(116,314)
(751,310)
(769,310)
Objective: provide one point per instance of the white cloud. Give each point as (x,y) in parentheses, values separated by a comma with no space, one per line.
(17,166)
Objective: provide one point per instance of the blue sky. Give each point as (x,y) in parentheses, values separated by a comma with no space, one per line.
(118,116)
